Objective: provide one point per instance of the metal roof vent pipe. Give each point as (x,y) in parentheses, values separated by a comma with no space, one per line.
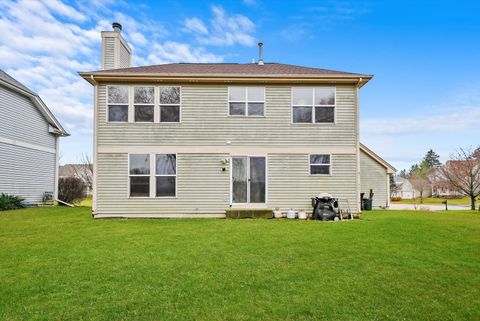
(117,27)
(260,56)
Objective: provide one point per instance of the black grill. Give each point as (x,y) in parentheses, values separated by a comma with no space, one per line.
(324,208)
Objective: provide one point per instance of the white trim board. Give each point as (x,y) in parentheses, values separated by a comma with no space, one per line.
(26,145)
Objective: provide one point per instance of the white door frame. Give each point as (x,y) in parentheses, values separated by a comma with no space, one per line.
(248,204)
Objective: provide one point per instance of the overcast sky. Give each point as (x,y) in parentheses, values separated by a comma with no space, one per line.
(424,55)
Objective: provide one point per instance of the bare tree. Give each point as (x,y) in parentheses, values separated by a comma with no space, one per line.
(421,184)
(85,170)
(463,172)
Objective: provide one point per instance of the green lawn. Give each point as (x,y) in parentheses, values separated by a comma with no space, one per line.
(60,264)
(435,200)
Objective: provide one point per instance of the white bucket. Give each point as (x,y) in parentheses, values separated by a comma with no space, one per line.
(291,213)
(302,215)
(277,214)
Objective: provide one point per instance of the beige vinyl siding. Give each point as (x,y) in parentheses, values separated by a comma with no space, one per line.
(373,176)
(205,121)
(109,53)
(124,56)
(22,121)
(290,184)
(201,187)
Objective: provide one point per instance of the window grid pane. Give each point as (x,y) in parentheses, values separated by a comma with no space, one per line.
(302,96)
(139,164)
(169,114)
(324,114)
(165,164)
(117,94)
(169,95)
(139,186)
(118,113)
(320,169)
(255,109)
(144,95)
(320,159)
(144,113)
(165,186)
(237,109)
(302,114)
(255,94)
(324,96)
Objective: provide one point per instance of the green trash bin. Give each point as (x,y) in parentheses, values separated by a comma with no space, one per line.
(367,204)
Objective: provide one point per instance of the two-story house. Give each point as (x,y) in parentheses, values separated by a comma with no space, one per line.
(29,140)
(195,139)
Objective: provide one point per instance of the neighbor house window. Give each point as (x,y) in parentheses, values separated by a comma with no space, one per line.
(143,102)
(165,174)
(139,175)
(313,105)
(170,104)
(246,101)
(117,103)
(320,164)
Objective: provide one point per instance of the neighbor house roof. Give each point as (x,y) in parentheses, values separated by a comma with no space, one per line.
(12,83)
(381,161)
(228,70)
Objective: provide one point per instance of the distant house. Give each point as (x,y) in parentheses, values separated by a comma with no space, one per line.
(406,190)
(29,135)
(81,171)
(440,185)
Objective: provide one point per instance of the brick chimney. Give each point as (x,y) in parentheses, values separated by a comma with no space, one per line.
(116,52)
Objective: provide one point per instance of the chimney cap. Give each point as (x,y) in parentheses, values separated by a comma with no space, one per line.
(117,27)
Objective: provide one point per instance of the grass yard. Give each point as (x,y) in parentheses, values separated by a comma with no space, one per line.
(59,264)
(435,201)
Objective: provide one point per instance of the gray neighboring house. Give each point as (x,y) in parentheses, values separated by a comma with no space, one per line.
(197,139)
(29,135)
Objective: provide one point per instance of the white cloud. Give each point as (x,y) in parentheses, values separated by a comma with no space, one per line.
(172,51)
(445,120)
(195,25)
(64,10)
(224,30)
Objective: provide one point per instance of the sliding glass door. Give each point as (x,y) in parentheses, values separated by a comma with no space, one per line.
(248,179)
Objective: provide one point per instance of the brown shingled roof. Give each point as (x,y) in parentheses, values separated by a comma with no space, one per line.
(253,69)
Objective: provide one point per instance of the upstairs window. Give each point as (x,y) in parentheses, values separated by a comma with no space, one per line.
(139,175)
(313,105)
(170,104)
(246,101)
(143,102)
(320,164)
(117,102)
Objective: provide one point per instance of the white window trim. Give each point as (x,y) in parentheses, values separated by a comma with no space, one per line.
(313,106)
(248,204)
(246,101)
(179,107)
(164,175)
(142,104)
(140,175)
(107,109)
(152,176)
(329,165)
